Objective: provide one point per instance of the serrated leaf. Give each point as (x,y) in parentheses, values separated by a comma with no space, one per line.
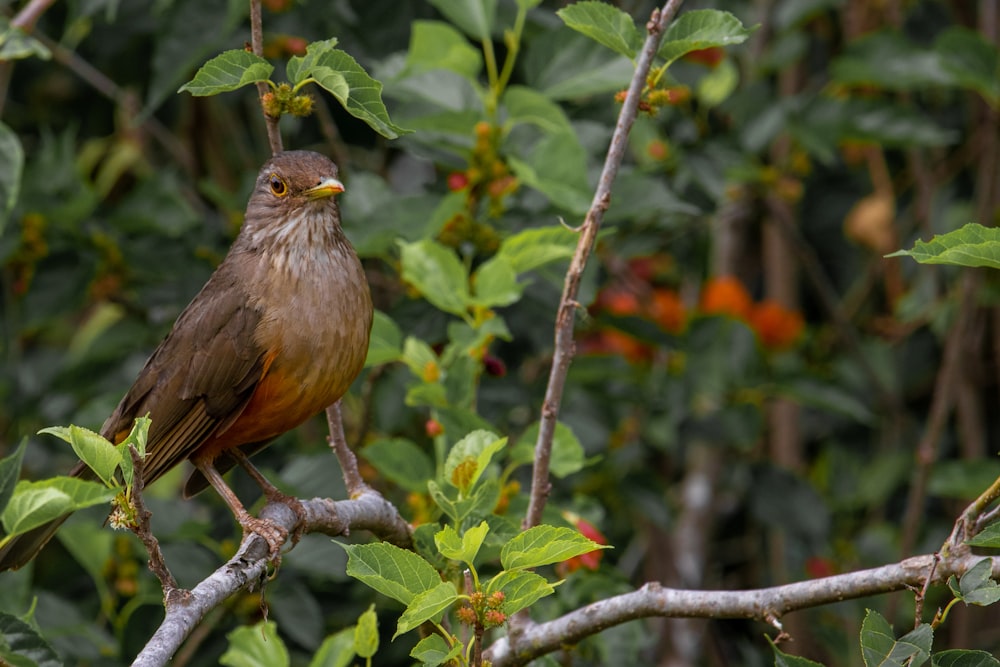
(437,273)
(987,537)
(533,248)
(137,438)
(463,547)
(22,640)
(255,646)
(475,449)
(495,283)
(386,341)
(92,448)
(11,168)
(228,71)
(474,17)
(429,605)
(976,585)
(37,503)
(401,461)
(701,29)
(337,650)
(544,545)
(521,589)
(567,457)
(433,650)
(299,67)
(361,95)
(366,633)
(972,245)
(605,24)
(395,572)
(879,648)
(963,658)
(10,471)
(438,45)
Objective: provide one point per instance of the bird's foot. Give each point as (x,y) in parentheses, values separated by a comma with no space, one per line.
(294,504)
(269,531)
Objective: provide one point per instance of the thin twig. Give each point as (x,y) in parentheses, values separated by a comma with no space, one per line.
(566,315)
(348,461)
(141,528)
(257,44)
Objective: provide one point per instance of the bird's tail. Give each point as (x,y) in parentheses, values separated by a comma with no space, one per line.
(20,550)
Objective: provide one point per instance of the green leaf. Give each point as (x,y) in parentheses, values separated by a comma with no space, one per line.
(436,272)
(386,342)
(395,572)
(16,44)
(228,71)
(11,168)
(987,537)
(366,634)
(136,438)
(972,60)
(93,449)
(962,479)
(719,84)
(433,650)
(478,447)
(429,605)
(19,640)
(400,461)
(557,167)
(972,245)
(337,650)
(976,587)
(567,453)
(462,548)
(890,61)
(525,105)
(543,545)
(255,646)
(496,284)
(474,17)
(533,248)
(879,648)
(701,29)
(564,65)
(782,659)
(36,503)
(339,74)
(521,589)
(605,24)
(10,470)
(437,45)
(963,658)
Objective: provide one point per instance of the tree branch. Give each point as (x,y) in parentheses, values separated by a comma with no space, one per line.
(764,604)
(566,315)
(184,610)
(348,461)
(257,44)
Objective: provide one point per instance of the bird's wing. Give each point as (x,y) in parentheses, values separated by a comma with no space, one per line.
(200,377)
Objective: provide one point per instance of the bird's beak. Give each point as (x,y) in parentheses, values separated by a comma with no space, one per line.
(328,188)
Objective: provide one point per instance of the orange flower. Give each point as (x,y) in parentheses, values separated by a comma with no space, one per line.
(619,301)
(590,560)
(776,326)
(726,295)
(667,310)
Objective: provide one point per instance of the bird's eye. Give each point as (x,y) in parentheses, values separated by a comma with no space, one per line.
(278,186)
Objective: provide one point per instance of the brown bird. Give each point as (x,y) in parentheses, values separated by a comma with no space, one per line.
(278,333)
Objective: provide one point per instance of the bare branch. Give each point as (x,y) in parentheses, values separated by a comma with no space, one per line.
(348,461)
(257,45)
(767,605)
(157,564)
(566,315)
(368,511)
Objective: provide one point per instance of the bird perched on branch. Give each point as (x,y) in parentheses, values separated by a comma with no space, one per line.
(278,333)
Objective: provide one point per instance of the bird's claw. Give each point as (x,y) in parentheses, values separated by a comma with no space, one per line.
(270,532)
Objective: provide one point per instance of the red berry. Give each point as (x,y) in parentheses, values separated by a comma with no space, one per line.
(457,180)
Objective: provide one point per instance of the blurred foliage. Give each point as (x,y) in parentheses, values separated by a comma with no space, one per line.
(845,128)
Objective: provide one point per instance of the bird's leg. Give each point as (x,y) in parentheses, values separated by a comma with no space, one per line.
(272,533)
(273,493)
